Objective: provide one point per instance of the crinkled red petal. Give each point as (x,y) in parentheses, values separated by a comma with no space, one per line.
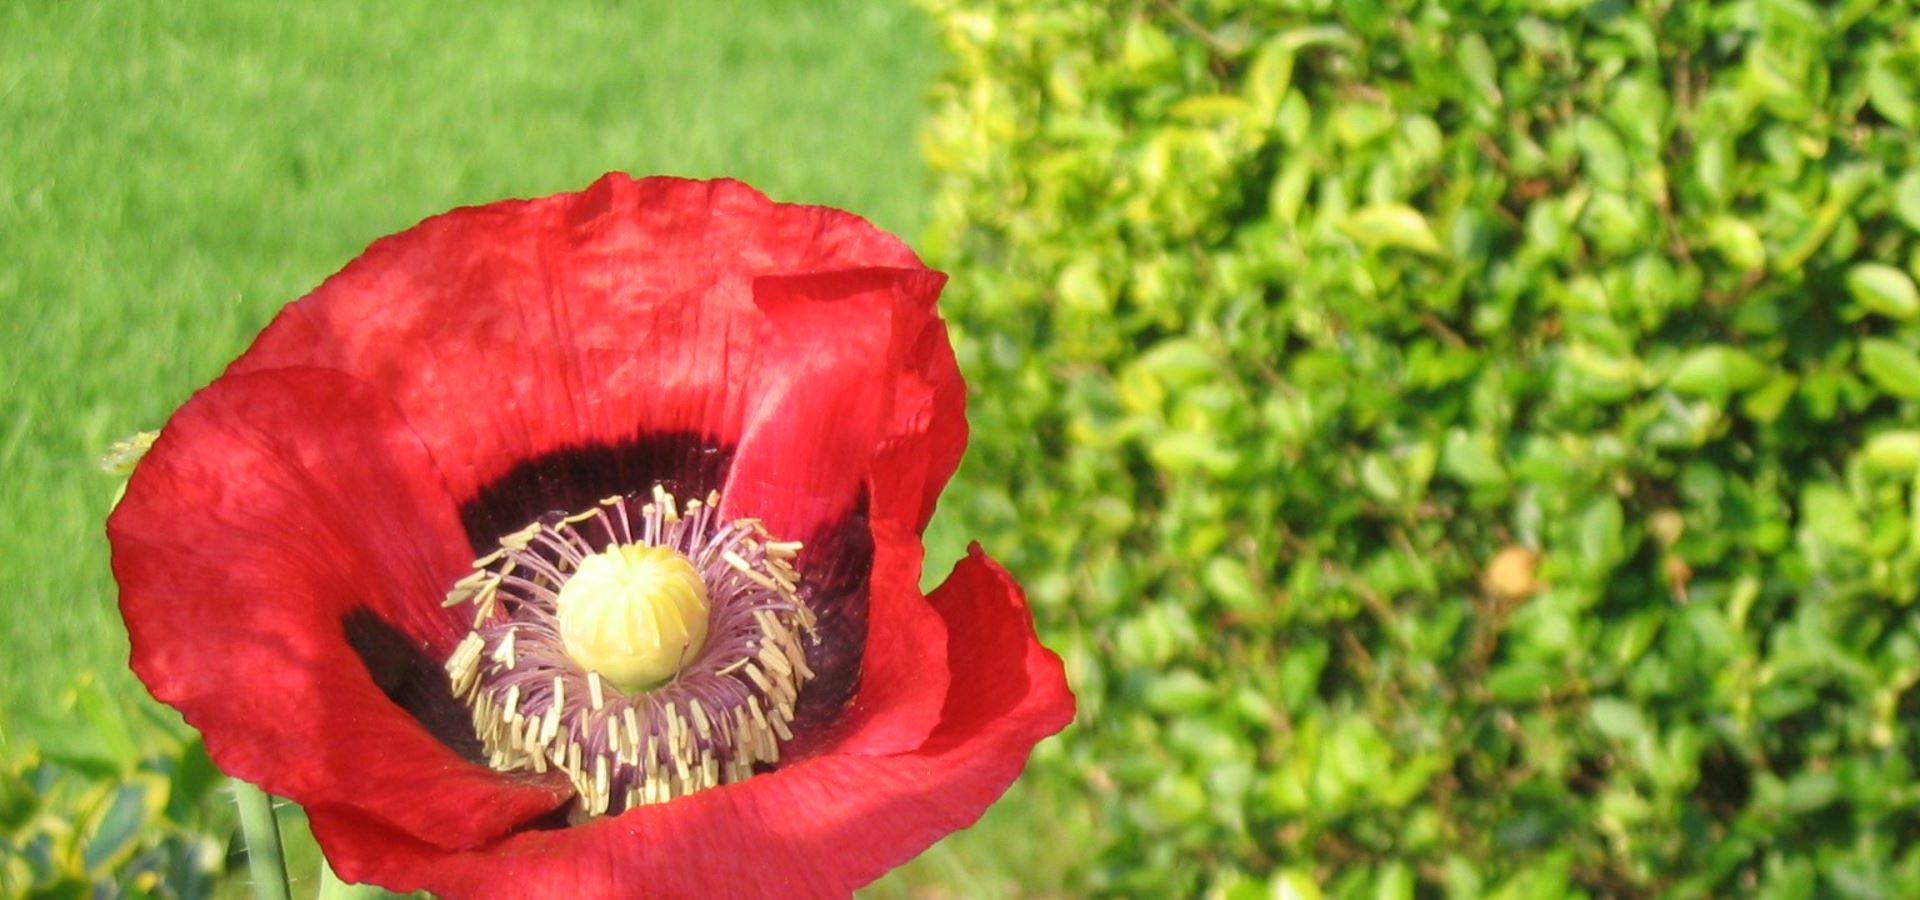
(841,349)
(817,829)
(273,507)
(854,369)
(929,432)
(511,330)
(903,667)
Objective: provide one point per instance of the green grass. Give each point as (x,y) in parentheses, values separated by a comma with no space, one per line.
(174,173)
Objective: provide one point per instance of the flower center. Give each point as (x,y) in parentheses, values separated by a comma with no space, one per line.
(633,613)
(646,651)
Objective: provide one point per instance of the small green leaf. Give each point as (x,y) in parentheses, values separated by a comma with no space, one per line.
(1893,451)
(1883,289)
(1210,109)
(1392,225)
(1602,541)
(1395,882)
(1474,461)
(1737,242)
(1892,366)
(1521,681)
(1712,160)
(1080,288)
(1603,156)
(1765,403)
(1377,475)
(1187,451)
(1827,515)
(1716,370)
(1360,123)
(126,452)
(1230,582)
(1811,790)
(1178,691)
(1617,719)
(121,822)
(1270,76)
(1477,62)
(1294,884)
(1181,363)
(1906,199)
(1890,94)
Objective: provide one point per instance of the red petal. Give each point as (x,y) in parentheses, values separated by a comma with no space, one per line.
(903,669)
(818,829)
(273,505)
(842,381)
(928,434)
(837,348)
(507,331)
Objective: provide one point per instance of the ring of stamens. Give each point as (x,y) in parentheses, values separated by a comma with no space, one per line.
(723,714)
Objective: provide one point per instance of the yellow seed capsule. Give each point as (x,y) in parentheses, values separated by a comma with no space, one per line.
(633,613)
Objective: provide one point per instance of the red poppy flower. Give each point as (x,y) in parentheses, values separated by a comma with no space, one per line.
(349,561)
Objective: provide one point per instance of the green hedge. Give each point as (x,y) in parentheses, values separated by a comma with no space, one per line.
(1286,319)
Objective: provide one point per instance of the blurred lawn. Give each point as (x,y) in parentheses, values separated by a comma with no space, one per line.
(174,173)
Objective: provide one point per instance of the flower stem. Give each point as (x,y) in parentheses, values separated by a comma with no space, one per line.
(262,834)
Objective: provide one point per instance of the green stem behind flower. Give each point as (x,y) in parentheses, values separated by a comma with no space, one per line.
(262,834)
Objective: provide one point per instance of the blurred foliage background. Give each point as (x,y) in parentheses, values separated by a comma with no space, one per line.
(1461,448)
